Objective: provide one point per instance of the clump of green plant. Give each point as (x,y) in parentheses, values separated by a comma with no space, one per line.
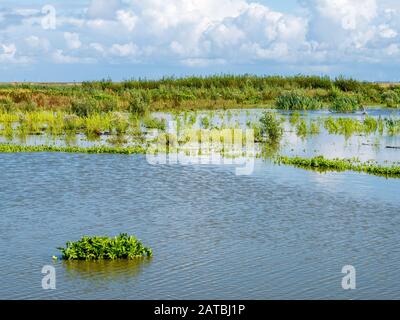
(154,123)
(301,128)
(271,127)
(314,128)
(122,246)
(14,148)
(72,123)
(205,122)
(138,105)
(347,84)
(294,118)
(297,101)
(96,124)
(392,125)
(84,107)
(6,104)
(119,123)
(370,125)
(109,104)
(391,99)
(345,104)
(320,163)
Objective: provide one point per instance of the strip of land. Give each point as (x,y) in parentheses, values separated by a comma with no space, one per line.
(194,93)
(317,163)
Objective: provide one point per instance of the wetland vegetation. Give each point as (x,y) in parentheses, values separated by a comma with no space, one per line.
(194,93)
(127,117)
(122,246)
(322,164)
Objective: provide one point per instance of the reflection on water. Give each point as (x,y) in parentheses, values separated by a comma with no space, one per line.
(105,270)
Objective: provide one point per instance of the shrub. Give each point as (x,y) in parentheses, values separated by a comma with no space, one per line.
(109,104)
(27,106)
(345,104)
(347,85)
(20,96)
(84,107)
(97,248)
(296,101)
(391,99)
(6,104)
(271,127)
(72,122)
(154,123)
(138,104)
(119,123)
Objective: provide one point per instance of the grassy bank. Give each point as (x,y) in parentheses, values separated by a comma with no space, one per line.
(322,164)
(191,93)
(10,148)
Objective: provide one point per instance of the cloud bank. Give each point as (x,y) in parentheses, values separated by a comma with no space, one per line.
(324,36)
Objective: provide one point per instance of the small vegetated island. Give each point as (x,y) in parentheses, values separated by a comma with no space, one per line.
(123,246)
(123,113)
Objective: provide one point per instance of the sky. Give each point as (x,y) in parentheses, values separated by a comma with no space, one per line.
(73,40)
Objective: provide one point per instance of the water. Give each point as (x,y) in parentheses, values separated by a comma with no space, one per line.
(280,233)
(364,147)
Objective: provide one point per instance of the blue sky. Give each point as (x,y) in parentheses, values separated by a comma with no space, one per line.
(93,39)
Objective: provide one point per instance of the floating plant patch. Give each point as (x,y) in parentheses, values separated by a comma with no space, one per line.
(122,246)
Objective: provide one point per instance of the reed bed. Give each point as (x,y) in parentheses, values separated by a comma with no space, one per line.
(195,93)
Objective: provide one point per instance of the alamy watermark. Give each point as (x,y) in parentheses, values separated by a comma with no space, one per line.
(49,279)
(349,280)
(203,146)
(49,21)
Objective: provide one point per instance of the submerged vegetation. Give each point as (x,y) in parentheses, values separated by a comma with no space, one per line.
(271,127)
(322,164)
(122,246)
(122,117)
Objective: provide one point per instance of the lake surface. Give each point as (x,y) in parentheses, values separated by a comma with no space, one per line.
(279,233)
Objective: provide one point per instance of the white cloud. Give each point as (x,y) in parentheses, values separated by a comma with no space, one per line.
(102,9)
(35,42)
(386,31)
(201,33)
(127,18)
(393,49)
(8,54)
(59,57)
(97,46)
(124,50)
(9,50)
(72,40)
(202,62)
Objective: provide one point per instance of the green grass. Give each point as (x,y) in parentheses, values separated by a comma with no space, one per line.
(322,164)
(271,127)
(122,246)
(11,148)
(193,93)
(297,101)
(349,126)
(344,104)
